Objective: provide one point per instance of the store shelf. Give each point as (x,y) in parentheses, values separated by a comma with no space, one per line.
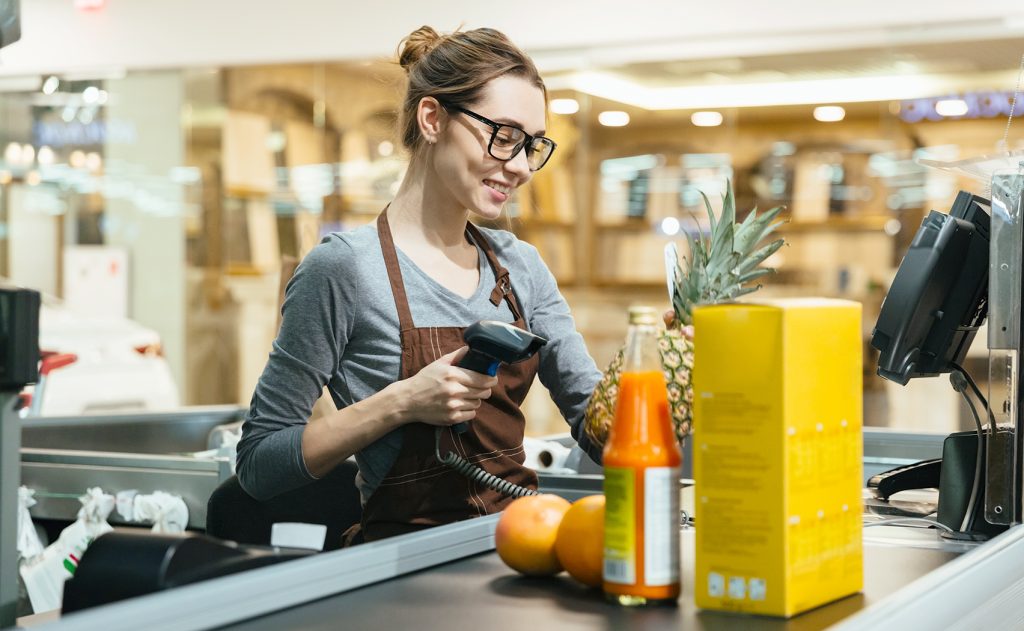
(871,223)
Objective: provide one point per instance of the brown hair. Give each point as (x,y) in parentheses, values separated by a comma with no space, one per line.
(455,68)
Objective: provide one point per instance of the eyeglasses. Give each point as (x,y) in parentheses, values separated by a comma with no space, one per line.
(507,141)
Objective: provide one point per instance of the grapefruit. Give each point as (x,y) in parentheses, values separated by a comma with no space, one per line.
(579,545)
(526,532)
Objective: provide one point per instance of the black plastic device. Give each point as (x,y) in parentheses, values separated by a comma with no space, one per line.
(492,343)
(19,338)
(939,296)
(126,563)
(10,22)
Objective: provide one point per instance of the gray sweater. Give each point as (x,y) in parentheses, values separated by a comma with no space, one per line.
(340,329)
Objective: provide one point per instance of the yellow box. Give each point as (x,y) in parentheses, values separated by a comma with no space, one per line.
(777,455)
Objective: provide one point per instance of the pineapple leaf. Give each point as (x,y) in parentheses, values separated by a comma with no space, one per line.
(757,257)
(757,273)
(750,234)
(711,213)
(746,290)
(721,262)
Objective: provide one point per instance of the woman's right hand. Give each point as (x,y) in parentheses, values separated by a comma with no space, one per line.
(442,393)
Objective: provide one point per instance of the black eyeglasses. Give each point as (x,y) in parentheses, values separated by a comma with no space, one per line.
(507,141)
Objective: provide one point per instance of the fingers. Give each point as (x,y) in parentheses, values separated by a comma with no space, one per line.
(669,317)
(455,356)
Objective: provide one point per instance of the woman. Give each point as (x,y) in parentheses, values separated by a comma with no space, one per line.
(377,313)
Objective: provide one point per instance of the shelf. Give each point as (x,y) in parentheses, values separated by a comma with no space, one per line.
(833,224)
(874,223)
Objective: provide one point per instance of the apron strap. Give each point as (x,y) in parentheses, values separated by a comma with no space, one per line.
(502,284)
(387,246)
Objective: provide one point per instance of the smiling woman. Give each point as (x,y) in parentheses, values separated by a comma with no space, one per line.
(377,314)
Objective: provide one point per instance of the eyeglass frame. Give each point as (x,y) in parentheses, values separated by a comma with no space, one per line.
(494,134)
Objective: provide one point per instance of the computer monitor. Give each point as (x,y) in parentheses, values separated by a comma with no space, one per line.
(10,22)
(939,296)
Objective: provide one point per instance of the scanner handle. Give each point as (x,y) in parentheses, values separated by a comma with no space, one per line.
(477,362)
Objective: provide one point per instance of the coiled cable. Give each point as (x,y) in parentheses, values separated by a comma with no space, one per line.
(476,474)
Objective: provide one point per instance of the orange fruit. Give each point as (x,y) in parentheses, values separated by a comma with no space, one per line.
(526,531)
(579,545)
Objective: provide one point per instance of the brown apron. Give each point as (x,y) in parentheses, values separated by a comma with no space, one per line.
(420,492)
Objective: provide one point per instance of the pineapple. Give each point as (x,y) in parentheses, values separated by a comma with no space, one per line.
(717,271)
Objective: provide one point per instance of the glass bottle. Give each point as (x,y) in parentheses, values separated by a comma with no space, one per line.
(641,477)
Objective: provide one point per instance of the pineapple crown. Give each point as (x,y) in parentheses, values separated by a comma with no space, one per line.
(722,263)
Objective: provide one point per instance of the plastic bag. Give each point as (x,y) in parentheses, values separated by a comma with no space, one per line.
(167,512)
(44,575)
(29,544)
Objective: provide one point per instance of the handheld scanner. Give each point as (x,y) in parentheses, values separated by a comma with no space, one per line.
(493,343)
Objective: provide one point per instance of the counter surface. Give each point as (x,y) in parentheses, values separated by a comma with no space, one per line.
(481,592)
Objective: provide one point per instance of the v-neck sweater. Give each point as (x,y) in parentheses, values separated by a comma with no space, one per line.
(340,329)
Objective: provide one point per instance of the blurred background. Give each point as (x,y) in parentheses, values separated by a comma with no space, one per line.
(165,165)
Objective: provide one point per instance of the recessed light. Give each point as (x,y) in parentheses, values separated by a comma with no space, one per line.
(706,119)
(829,113)
(565,106)
(613,118)
(951,107)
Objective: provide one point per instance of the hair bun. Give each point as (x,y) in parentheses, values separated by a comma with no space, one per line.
(417,45)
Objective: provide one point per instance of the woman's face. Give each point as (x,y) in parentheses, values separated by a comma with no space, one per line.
(474,179)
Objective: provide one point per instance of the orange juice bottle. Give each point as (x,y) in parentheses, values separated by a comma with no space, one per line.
(641,478)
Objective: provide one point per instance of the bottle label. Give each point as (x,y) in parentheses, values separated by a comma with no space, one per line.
(620,525)
(661,525)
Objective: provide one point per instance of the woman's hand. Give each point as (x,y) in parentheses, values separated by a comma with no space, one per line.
(444,394)
(670,322)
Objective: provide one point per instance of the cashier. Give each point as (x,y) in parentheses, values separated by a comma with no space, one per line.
(377,313)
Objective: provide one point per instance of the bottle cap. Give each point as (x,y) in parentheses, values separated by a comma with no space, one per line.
(643,315)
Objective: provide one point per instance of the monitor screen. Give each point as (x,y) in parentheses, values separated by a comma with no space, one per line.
(939,296)
(10,22)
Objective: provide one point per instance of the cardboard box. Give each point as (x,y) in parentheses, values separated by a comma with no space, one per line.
(777,455)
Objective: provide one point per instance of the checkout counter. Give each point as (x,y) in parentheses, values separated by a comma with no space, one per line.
(450,576)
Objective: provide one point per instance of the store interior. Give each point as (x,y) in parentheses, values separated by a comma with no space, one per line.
(251,165)
(160,197)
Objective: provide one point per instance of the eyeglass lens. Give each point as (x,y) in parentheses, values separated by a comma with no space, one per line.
(508,141)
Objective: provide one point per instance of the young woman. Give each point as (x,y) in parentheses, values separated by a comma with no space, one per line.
(377,313)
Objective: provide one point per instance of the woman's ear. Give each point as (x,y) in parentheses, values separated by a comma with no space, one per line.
(429,117)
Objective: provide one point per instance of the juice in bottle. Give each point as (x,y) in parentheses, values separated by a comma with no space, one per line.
(641,478)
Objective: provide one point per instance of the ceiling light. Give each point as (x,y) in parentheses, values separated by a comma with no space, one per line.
(565,106)
(706,119)
(28,153)
(45,155)
(12,154)
(670,226)
(50,85)
(951,107)
(32,178)
(91,94)
(829,113)
(613,118)
(770,93)
(77,159)
(385,148)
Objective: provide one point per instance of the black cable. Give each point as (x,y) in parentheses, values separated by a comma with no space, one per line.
(477,474)
(977,392)
(959,379)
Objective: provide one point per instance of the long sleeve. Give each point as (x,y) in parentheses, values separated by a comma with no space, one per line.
(313,334)
(566,368)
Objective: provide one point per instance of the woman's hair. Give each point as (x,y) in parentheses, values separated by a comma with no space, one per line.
(455,68)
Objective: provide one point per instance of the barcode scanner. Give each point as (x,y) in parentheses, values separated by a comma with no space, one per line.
(493,343)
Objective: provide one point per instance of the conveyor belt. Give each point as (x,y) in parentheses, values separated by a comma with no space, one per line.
(482,593)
